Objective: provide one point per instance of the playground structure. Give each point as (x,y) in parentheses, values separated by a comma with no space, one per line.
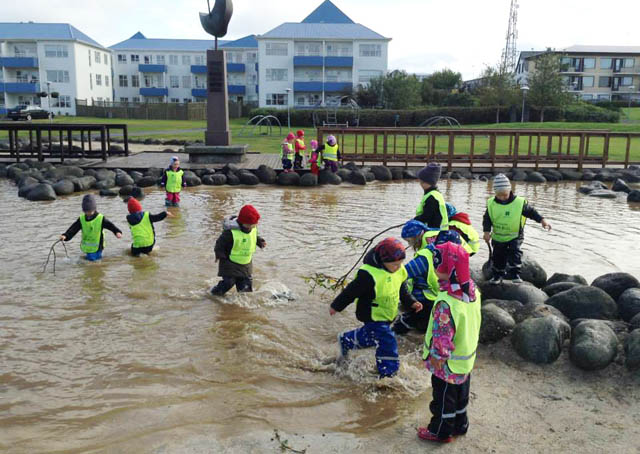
(331,116)
(256,124)
(440,121)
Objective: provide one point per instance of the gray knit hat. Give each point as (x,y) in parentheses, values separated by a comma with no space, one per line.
(430,174)
(501,182)
(89,203)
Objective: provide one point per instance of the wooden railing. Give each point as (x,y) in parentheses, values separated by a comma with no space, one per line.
(486,147)
(56,140)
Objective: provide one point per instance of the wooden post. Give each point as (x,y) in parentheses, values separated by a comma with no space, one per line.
(492,150)
(61,140)
(39,144)
(103,143)
(627,152)
(70,142)
(12,144)
(320,136)
(31,142)
(472,150)
(510,144)
(89,141)
(406,150)
(586,150)
(384,149)
(530,143)
(581,152)
(559,151)
(364,136)
(82,141)
(516,149)
(605,153)
(452,139)
(375,143)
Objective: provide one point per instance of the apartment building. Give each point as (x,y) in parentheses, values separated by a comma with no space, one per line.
(174,70)
(593,72)
(319,60)
(38,58)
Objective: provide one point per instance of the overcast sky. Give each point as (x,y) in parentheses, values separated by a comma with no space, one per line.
(427,35)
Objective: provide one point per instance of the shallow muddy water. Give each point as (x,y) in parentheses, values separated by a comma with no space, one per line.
(102,355)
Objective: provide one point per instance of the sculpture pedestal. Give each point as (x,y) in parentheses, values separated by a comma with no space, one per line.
(217,154)
(217,132)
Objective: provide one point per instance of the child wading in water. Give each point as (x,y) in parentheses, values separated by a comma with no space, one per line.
(503,224)
(234,251)
(300,148)
(432,210)
(141,226)
(91,223)
(286,152)
(378,288)
(173,182)
(450,344)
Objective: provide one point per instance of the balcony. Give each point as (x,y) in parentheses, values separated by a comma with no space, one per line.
(19,62)
(152,68)
(338,62)
(338,87)
(21,87)
(307,86)
(3,110)
(307,61)
(236,89)
(199,92)
(198,69)
(154,91)
(235,67)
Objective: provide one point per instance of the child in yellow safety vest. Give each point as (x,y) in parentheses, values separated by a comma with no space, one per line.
(503,224)
(300,148)
(330,153)
(91,223)
(286,152)
(173,182)
(432,210)
(141,225)
(450,344)
(234,251)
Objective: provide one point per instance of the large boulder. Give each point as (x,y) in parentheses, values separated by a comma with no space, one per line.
(634,323)
(531,271)
(289,179)
(632,350)
(41,192)
(137,193)
(540,340)
(584,302)
(217,179)
(634,196)
(126,190)
(248,178)
(593,345)
(558,287)
(25,189)
(72,171)
(155,172)
(369,176)
(603,194)
(571,175)
(309,179)
(105,174)
(328,177)
(629,304)
(592,186)
(552,174)
(620,186)
(64,187)
(13,172)
(561,277)
(26,180)
(518,175)
(135,175)
(108,193)
(122,179)
(397,173)
(147,181)
(83,183)
(409,175)
(266,175)
(510,306)
(344,174)
(525,293)
(382,173)
(232,179)
(357,177)
(105,184)
(535,177)
(496,324)
(615,283)
(537,311)
(191,178)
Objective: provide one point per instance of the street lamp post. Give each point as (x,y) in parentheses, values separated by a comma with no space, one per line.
(525,89)
(631,88)
(49,101)
(288,90)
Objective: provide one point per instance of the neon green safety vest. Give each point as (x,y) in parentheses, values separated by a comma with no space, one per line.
(288,153)
(330,152)
(444,225)
(472,246)
(301,144)
(507,220)
(244,245)
(174,181)
(142,232)
(91,233)
(466,319)
(432,278)
(384,307)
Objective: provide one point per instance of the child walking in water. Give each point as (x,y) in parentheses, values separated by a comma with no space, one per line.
(91,223)
(141,226)
(378,288)
(173,182)
(234,251)
(313,159)
(300,148)
(286,153)
(432,210)
(450,344)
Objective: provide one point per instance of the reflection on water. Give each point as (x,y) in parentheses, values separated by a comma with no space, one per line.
(100,354)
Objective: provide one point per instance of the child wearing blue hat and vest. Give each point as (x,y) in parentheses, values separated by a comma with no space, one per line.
(432,210)
(141,226)
(173,182)
(450,344)
(234,251)
(379,286)
(503,224)
(91,223)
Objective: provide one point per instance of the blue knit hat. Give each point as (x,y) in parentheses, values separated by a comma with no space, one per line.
(448,236)
(451,210)
(413,228)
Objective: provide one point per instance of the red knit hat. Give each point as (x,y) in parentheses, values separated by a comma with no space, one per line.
(290,136)
(300,133)
(133,205)
(390,250)
(248,215)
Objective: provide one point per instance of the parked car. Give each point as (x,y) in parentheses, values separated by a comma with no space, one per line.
(28,113)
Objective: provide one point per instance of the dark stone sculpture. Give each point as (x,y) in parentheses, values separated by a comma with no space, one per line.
(216,21)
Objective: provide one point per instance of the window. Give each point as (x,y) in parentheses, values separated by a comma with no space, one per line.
(605,63)
(122,58)
(106,81)
(587,97)
(626,81)
(339,75)
(277,74)
(589,63)
(89,51)
(175,100)
(252,57)
(147,59)
(56,51)
(123,80)
(63,101)
(124,99)
(98,57)
(310,49)
(135,80)
(173,59)
(279,49)
(629,62)
(186,100)
(252,79)
(135,58)
(588,81)
(276,99)
(148,81)
(136,99)
(365,75)
(339,50)
(91,81)
(370,50)
(200,81)
(160,59)
(58,76)
(199,59)
(106,59)
(174,81)
(186,81)
(186,60)
(98,80)
(603,97)
(604,82)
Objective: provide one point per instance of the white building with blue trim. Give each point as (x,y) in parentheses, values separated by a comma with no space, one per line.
(319,60)
(40,57)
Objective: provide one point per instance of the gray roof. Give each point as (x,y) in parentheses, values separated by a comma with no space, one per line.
(602,49)
(141,42)
(293,30)
(44,31)
(530,53)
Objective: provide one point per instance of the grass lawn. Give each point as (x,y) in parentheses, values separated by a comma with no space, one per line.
(190,130)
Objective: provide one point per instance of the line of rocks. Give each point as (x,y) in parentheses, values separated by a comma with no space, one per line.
(597,323)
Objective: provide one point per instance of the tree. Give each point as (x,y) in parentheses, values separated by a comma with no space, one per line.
(497,89)
(546,86)
(370,95)
(445,79)
(401,90)
(436,88)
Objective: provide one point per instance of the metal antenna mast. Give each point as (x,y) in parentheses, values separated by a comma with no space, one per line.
(510,52)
